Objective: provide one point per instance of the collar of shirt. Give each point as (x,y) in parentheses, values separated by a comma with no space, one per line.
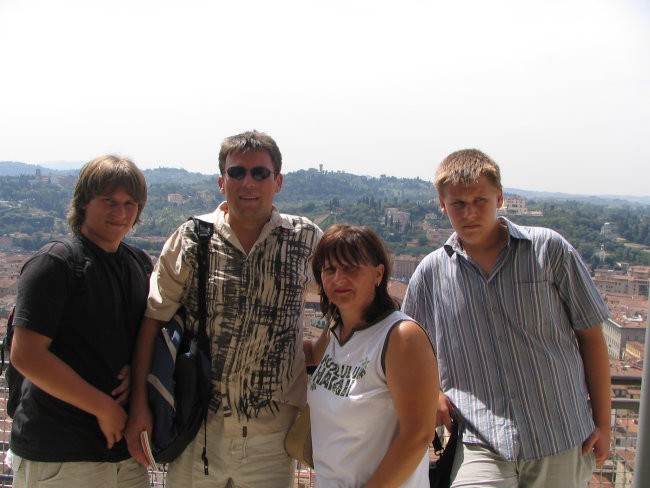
(452,245)
(277,219)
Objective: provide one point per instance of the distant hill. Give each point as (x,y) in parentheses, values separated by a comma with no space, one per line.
(174,175)
(13,168)
(307,183)
(34,209)
(595,199)
(154,176)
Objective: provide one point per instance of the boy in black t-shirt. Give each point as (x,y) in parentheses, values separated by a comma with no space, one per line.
(74,338)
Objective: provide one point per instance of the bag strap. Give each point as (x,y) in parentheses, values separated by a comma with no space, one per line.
(75,247)
(141,257)
(203,230)
(437,443)
(451,441)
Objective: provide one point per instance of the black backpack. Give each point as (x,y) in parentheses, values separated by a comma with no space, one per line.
(13,377)
(180,379)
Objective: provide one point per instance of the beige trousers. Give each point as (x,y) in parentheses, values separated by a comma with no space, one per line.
(477,466)
(256,461)
(36,474)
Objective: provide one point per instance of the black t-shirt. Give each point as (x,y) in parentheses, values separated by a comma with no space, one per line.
(92,321)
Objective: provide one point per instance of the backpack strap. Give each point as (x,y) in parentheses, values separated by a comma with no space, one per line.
(6,340)
(204,232)
(75,247)
(141,257)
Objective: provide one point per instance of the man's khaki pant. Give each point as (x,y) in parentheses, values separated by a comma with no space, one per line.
(477,466)
(256,461)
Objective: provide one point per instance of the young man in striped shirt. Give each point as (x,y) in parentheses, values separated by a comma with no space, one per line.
(515,320)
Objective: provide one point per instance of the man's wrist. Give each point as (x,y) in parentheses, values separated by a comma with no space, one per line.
(138,397)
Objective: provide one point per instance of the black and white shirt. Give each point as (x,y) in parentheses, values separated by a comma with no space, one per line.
(255,304)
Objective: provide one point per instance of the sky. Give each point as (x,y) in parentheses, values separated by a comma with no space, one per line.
(556,91)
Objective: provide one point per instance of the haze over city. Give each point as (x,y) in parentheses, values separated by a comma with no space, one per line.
(558,93)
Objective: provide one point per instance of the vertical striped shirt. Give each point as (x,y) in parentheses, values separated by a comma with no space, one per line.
(507,352)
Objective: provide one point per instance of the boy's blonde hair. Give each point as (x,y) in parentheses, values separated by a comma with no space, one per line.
(465,167)
(102,176)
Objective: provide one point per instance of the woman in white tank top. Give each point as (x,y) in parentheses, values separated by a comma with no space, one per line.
(373,396)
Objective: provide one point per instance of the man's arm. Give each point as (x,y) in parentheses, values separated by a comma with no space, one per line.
(593,350)
(418,304)
(31,355)
(140,418)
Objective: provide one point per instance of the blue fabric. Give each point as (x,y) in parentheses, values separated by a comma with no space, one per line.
(160,382)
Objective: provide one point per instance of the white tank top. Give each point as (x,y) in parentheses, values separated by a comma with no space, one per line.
(353,419)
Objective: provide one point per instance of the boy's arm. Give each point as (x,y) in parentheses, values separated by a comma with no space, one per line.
(593,350)
(123,390)
(140,418)
(31,355)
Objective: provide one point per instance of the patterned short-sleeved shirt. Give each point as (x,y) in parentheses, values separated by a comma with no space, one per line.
(255,304)
(507,352)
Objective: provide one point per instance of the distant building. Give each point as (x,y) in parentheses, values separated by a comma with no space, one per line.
(610,282)
(619,333)
(514,205)
(175,198)
(608,230)
(396,217)
(205,195)
(640,272)
(634,350)
(397,290)
(404,266)
(629,305)
(437,237)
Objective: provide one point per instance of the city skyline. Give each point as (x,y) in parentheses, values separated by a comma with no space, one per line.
(556,92)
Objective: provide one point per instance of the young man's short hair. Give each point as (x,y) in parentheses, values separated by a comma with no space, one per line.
(102,176)
(465,167)
(250,141)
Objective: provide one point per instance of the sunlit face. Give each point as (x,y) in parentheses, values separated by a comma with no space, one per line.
(472,211)
(108,218)
(351,287)
(250,199)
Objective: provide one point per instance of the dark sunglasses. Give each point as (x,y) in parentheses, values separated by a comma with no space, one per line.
(258,173)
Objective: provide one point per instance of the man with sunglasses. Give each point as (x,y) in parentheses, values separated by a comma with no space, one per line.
(258,272)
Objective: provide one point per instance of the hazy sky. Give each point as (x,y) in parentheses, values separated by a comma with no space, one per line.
(556,91)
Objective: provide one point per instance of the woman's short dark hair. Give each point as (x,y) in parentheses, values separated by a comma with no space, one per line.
(102,176)
(353,245)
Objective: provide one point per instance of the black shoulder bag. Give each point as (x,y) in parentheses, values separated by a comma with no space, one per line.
(440,470)
(179,381)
